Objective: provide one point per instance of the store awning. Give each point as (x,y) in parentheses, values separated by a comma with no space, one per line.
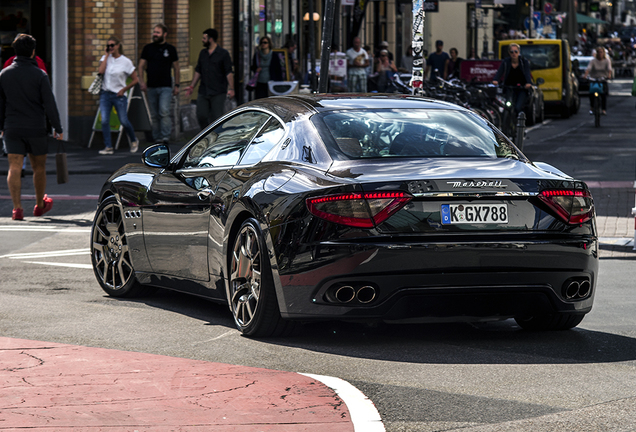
(584,19)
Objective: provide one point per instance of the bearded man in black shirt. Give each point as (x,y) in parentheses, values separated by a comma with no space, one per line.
(159,58)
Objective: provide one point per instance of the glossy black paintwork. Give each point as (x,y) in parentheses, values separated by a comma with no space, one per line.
(189,217)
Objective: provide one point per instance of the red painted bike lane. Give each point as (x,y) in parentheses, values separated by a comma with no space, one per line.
(56,387)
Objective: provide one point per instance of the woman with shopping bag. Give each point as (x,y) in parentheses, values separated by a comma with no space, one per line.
(115,69)
(266,67)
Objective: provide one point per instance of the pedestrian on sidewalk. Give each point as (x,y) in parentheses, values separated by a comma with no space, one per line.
(357,63)
(436,62)
(266,64)
(26,100)
(116,68)
(159,57)
(214,70)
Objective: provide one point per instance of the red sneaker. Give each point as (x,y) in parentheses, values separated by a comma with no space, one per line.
(18,214)
(48,205)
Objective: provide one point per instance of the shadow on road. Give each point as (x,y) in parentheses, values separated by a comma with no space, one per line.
(501,342)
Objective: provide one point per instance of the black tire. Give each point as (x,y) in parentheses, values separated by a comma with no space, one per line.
(541,112)
(576,104)
(110,255)
(251,295)
(555,321)
(531,115)
(597,111)
(565,111)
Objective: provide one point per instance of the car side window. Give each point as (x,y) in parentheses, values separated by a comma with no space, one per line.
(224,144)
(269,136)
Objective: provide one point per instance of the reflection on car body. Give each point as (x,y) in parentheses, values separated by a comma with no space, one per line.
(394,208)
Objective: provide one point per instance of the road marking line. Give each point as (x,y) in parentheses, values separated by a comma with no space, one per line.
(364,415)
(616,241)
(48,254)
(57,197)
(43,229)
(538,125)
(79,266)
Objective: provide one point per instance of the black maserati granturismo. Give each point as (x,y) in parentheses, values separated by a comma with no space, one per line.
(351,207)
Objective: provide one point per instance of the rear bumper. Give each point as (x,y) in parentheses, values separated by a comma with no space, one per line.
(442,282)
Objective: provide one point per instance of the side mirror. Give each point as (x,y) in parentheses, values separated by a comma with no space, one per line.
(157,156)
(540,81)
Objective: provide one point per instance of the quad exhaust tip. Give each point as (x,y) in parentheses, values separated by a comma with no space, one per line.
(347,294)
(577,289)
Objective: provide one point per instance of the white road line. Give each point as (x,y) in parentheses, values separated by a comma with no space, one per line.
(68,252)
(364,416)
(79,266)
(538,125)
(31,228)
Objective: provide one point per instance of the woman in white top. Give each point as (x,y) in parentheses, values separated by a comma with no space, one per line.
(116,68)
(600,67)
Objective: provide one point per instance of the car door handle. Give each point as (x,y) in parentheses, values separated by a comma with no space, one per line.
(204,194)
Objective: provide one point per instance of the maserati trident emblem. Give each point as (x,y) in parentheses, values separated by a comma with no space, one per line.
(478,184)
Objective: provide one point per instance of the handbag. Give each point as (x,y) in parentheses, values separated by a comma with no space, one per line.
(61,164)
(96,85)
(251,84)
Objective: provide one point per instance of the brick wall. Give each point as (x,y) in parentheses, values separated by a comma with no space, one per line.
(91,23)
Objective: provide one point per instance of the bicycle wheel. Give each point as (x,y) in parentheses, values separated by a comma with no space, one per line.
(597,111)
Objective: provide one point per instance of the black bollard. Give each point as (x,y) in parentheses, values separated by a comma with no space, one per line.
(521,128)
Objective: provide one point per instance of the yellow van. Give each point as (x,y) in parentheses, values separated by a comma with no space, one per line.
(550,60)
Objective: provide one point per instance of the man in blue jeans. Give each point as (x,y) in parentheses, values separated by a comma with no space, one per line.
(159,58)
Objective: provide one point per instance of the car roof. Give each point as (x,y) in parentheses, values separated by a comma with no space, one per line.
(298,104)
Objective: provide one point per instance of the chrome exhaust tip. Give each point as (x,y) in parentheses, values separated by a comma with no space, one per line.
(366,294)
(584,288)
(572,290)
(345,294)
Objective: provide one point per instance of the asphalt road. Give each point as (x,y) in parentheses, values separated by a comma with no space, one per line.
(490,377)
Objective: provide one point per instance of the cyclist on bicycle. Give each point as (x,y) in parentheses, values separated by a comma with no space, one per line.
(600,67)
(514,71)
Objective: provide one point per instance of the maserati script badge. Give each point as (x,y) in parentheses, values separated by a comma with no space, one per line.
(478,184)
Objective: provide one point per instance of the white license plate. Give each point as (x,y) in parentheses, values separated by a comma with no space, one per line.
(474,214)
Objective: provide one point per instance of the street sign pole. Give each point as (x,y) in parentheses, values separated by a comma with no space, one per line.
(327,35)
(531,24)
(417,75)
(312,46)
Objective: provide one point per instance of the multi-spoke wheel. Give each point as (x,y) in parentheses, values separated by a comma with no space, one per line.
(251,294)
(110,254)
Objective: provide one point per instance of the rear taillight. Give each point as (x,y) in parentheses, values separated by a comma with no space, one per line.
(573,206)
(362,210)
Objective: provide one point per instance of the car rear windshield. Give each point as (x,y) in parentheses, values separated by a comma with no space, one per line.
(411,133)
(544,56)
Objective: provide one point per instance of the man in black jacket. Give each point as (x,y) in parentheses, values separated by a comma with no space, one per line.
(26,100)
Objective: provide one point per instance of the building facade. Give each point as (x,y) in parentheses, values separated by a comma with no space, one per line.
(72,35)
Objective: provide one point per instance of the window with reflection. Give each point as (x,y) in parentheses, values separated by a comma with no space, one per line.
(413,133)
(224,145)
(269,136)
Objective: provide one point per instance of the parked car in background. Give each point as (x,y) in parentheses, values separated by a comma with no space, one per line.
(579,65)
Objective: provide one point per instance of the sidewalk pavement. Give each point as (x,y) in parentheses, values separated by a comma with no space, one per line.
(55,387)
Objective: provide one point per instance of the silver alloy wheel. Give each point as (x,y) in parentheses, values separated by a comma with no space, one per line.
(111,258)
(245,276)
